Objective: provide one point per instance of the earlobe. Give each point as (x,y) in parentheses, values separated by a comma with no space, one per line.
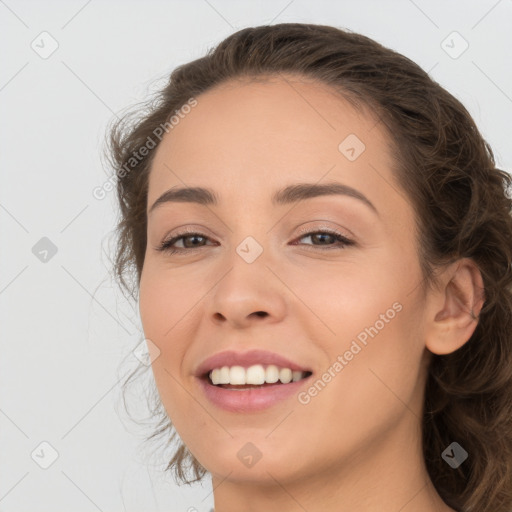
(455,308)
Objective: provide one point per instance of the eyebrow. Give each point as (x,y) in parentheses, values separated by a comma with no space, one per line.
(290,194)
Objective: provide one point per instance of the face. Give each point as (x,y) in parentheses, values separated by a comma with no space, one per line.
(328,281)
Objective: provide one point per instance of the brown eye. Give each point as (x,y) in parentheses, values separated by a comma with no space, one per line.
(189,241)
(324,237)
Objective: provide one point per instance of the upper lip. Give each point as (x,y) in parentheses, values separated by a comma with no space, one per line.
(246,359)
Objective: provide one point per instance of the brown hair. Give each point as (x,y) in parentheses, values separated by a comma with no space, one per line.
(462,209)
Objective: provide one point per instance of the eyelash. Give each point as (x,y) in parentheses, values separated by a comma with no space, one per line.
(166,245)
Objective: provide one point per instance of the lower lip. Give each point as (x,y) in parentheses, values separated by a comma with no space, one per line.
(250,400)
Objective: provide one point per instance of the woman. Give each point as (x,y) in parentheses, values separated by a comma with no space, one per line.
(320,244)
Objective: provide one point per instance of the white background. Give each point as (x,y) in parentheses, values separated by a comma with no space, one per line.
(64,327)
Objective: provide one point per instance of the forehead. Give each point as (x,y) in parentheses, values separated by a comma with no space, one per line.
(252,137)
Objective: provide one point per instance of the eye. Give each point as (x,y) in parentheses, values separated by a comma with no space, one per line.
(325,236)
(191,241)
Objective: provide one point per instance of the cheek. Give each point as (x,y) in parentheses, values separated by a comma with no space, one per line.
(345,300)
(165,304)
(371,333)
(371,285)
(169,320)
(374,387)
(160,312)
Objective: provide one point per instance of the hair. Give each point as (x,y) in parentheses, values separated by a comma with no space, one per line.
(462,206)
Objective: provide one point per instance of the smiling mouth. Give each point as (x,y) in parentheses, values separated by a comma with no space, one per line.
(239,378)
(252,388)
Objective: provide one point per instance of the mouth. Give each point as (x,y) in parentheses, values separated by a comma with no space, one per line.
(250,381)
(257,376)
(248,390)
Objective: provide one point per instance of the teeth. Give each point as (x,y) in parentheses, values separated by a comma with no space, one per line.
(272,374)
(296,376)
(224,375)
(255,375)
(285,375)
(237,375)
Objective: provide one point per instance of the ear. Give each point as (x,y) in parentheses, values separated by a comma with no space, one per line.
(453,309)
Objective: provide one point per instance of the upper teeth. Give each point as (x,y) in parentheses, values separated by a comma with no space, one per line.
(256,374)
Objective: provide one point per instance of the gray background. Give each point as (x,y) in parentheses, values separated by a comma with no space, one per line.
(65,328)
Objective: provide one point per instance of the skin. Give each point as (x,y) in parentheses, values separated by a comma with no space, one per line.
(356,446)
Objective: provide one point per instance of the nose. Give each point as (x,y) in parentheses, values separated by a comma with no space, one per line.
(248,294)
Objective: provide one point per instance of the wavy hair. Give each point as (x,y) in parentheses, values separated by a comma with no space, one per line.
(462,205)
